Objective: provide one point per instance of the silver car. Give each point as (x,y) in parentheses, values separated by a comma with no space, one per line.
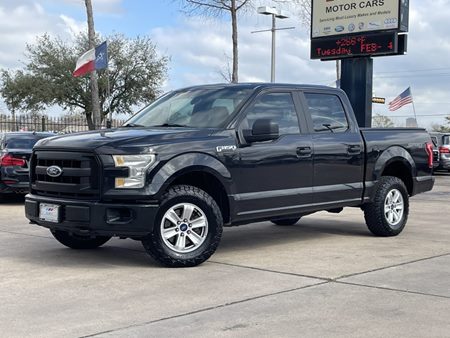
(443,143)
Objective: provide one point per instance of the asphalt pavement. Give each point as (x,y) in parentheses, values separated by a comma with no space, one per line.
(325,277)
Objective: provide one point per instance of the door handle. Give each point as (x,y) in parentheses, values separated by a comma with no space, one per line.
(304,152)
(354,149)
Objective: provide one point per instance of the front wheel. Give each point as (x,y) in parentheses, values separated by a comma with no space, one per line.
(187,230)
(74,241)
(387,214)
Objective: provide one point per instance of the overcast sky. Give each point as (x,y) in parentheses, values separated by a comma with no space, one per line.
(199,48)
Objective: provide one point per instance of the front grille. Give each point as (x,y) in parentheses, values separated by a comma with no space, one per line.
(79,179)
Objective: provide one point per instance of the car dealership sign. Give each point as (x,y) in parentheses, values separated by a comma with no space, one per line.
(344,17)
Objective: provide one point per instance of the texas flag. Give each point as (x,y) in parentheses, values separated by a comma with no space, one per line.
(94,59)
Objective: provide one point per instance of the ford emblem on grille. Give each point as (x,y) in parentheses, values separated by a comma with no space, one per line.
(54,171)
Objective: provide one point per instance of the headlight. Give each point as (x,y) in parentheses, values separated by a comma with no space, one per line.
(138,165)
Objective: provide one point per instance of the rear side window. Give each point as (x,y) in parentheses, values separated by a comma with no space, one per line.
(278,107)
(446,140)
(21,142)
(327,113)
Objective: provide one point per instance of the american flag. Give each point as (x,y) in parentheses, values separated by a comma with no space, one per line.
(401,100)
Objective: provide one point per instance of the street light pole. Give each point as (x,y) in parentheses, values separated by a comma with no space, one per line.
(276,14)
(272,73)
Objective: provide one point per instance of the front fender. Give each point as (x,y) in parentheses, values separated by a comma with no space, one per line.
(186,163)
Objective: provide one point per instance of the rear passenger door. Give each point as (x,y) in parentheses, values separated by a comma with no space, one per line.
(338,150)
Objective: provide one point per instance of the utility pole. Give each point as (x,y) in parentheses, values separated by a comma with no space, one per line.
(96,116)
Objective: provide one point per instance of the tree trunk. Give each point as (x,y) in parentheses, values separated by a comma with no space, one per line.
(14,125)
(89,121)
(94,83)
(234,76)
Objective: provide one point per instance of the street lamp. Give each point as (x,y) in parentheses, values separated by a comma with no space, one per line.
(276,14)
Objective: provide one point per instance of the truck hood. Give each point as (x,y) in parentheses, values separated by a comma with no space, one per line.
(125,139)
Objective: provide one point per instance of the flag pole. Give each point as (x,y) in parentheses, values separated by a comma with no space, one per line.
(108,94)
(414,107)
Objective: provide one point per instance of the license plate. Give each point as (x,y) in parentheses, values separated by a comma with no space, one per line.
(49,212)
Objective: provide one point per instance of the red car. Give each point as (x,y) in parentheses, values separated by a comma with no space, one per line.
(15,152)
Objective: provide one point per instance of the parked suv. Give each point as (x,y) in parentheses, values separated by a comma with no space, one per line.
(15,152)
(443,143)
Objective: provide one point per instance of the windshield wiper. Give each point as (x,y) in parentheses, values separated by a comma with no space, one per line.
(132,125)
(170,125)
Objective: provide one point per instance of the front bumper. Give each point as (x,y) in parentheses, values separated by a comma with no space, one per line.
(95,218)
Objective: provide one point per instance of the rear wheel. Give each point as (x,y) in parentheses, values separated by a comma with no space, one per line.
(388,213)
(187,230)
(74,241)
(286,221)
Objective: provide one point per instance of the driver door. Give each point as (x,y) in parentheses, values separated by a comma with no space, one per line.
(274,177)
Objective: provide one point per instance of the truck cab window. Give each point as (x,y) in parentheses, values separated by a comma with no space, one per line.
(327,113)
(278,107)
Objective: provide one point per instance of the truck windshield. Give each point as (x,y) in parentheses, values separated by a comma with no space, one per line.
(197,108)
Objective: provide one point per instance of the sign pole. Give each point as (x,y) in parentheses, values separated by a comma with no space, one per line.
(357,83)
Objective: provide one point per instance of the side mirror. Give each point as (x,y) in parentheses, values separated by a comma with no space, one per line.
(262,130)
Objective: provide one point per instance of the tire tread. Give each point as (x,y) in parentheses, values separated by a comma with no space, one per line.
(373,212)
(152,245)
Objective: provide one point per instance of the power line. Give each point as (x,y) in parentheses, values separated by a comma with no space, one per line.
(412,76)
(415,70)
(424,115)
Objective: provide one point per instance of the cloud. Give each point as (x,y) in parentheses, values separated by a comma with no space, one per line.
(201,47)
(21,24)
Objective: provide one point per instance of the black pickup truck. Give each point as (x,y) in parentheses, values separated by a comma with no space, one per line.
(204,157)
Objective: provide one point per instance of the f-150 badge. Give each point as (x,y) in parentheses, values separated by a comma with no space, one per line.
(220,149)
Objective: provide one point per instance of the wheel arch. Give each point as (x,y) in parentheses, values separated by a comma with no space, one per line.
(200,170)
(398,162)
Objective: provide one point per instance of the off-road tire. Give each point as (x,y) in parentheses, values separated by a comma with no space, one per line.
(154,243)
(286,221)
(374,213)
(79,242)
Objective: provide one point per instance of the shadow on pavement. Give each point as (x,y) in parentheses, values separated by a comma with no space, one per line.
(263,235)
(11,199)
(131,253)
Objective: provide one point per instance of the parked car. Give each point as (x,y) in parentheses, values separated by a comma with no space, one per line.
(443,143)
(205,157)
(15,152)
(436,153)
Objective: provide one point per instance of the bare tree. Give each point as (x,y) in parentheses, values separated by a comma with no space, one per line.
(94,83)
(382,121)
(225,71)
(216,8)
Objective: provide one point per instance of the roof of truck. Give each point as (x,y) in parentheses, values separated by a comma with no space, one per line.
(258,85)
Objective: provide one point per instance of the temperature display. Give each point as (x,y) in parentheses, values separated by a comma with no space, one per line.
(355,46)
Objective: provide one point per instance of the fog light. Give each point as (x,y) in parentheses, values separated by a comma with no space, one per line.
(118,215)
